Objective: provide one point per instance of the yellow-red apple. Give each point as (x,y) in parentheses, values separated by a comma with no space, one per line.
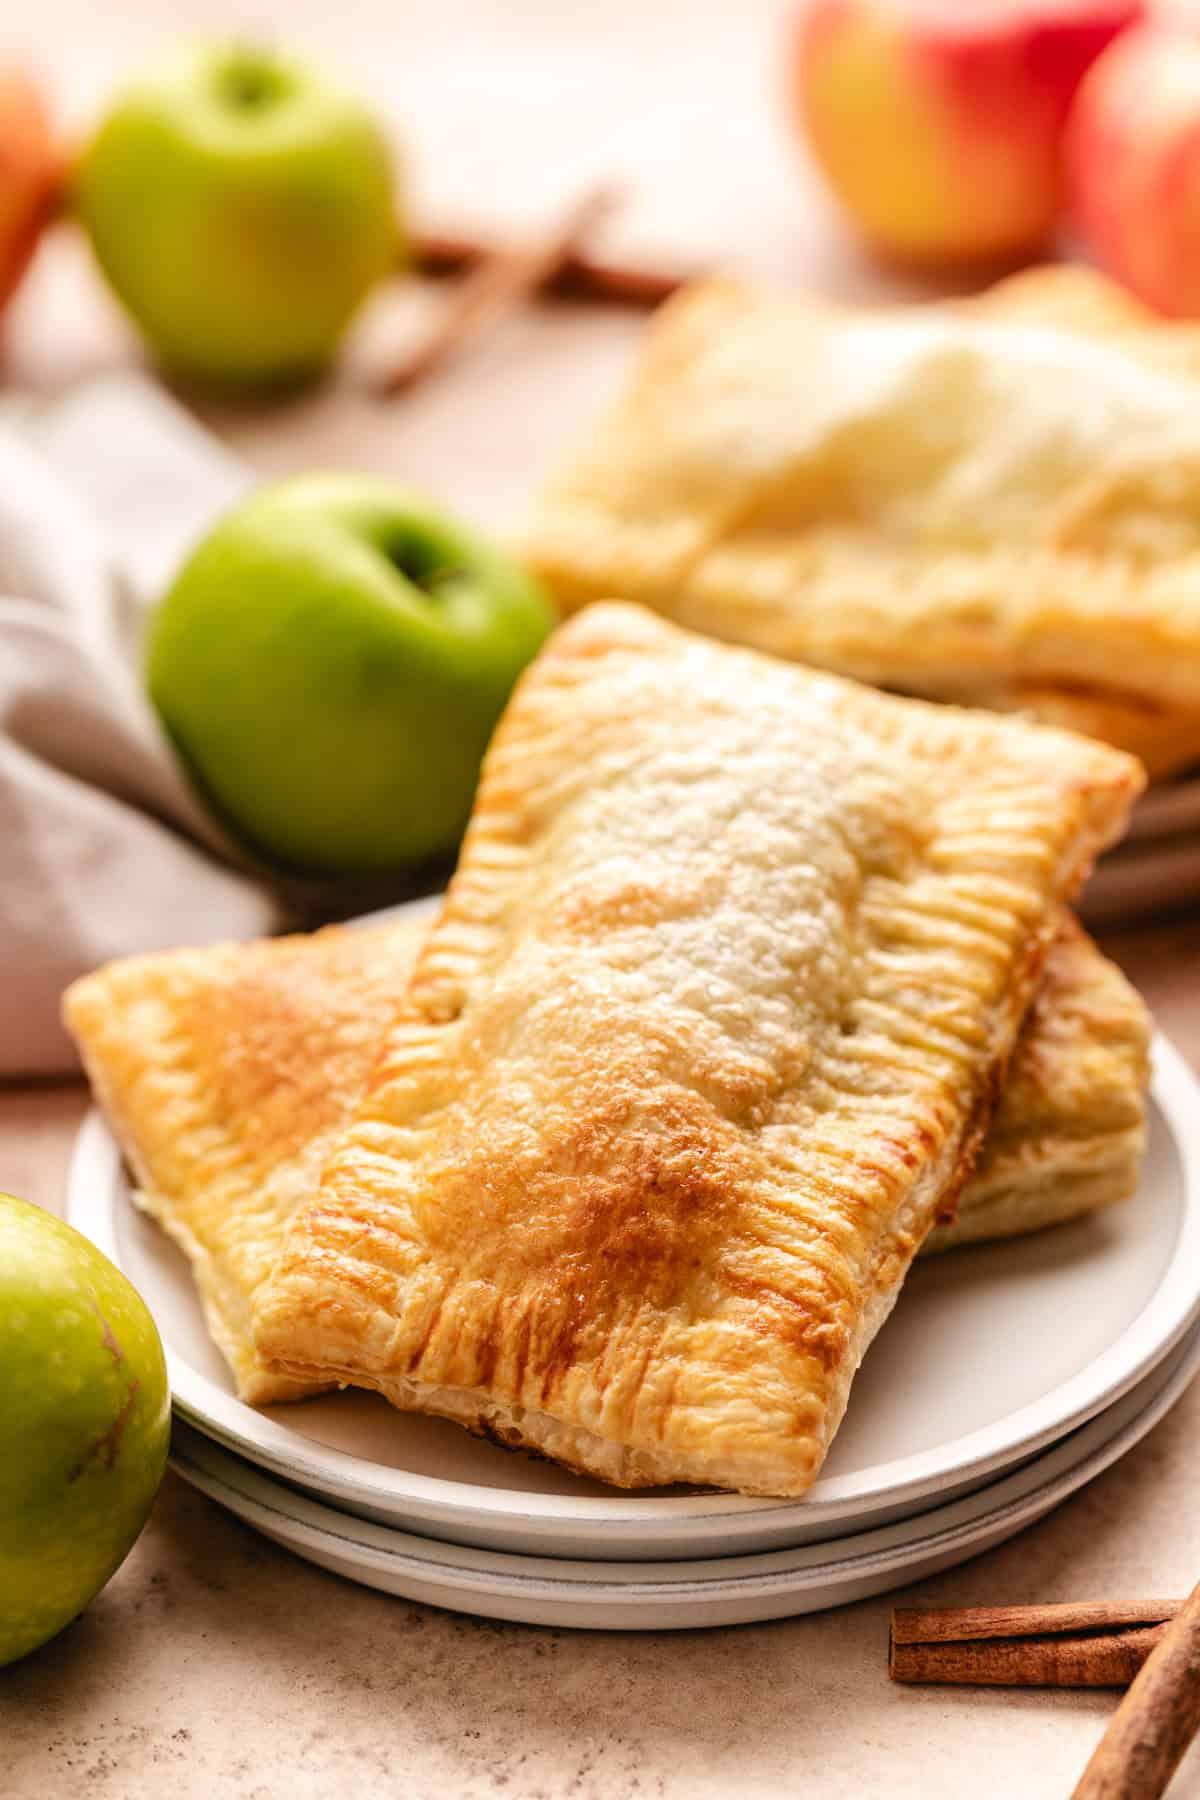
(938,123)
(31,173)
(1132,159)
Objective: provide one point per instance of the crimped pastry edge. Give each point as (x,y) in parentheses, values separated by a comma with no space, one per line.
(587,1453)
(1017,1208)
(940,1182)
(226,1309)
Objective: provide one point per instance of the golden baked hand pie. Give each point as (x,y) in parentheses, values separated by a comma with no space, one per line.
(700,1046)
(1068,1134)
(286,1020)
(993,503)
(226,1074)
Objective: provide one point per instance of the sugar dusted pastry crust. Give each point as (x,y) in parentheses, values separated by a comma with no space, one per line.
(1068,1134)
(704,1040)
(995,503)
(226,1074)
(1066,1137)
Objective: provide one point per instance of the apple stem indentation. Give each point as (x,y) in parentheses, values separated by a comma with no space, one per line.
(250,80)
(421,565)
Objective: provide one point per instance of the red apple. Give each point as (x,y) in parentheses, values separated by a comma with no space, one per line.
(938,123)
(31,173)
(1133,166)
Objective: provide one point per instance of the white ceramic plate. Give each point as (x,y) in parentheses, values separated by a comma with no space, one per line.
(669,1595)
(991,1354)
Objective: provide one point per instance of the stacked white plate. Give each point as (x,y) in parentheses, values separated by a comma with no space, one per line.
(1007,1377)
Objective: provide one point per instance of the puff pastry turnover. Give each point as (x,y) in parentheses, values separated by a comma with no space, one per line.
(292,1021)
(700,1046)
(226,1074)
(996,503)
(1068,1134)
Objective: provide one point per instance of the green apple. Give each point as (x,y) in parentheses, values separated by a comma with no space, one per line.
(241,208)
(330,663)
(84,1423)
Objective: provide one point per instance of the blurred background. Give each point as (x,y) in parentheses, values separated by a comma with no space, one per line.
(501,111)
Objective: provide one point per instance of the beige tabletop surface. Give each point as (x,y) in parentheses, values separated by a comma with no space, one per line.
(215,1664)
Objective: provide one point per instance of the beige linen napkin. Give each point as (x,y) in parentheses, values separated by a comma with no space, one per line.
(104,849)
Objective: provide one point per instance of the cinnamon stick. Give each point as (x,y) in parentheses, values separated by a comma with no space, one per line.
(1083,1644)
(495,286)
(580,275)
(1155,1722)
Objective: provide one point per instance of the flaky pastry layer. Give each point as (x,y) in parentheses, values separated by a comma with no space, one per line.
(705,1038)
(1068,1135)
(994,503)
(226,1074)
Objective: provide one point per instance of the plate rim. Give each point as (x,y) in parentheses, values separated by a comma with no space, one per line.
(1021,1494)
(96,1185)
